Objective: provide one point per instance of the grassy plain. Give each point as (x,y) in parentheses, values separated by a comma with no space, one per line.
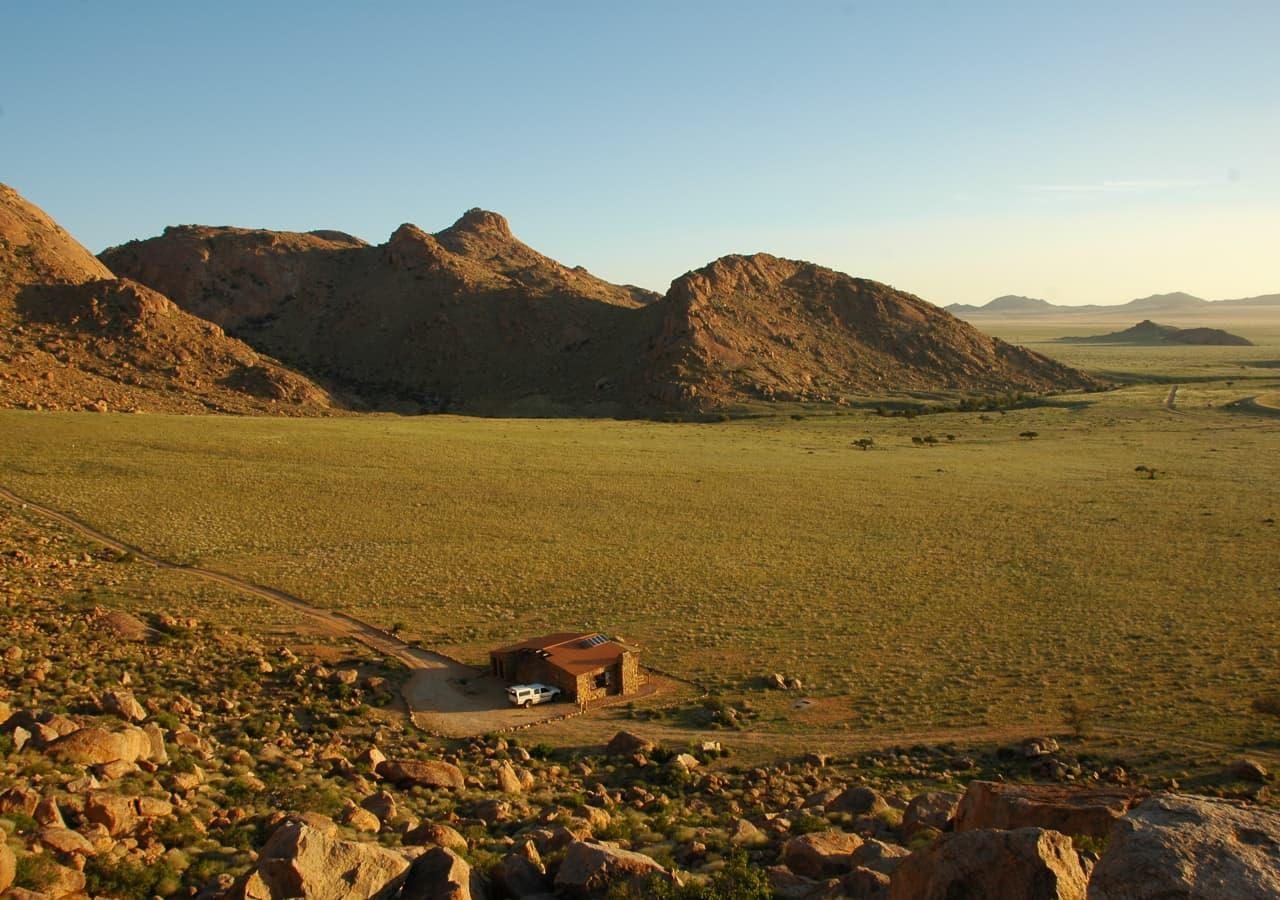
(983,581)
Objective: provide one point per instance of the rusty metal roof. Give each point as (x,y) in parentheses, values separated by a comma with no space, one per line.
(575,652)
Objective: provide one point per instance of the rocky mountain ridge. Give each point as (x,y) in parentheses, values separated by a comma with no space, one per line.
(472,319)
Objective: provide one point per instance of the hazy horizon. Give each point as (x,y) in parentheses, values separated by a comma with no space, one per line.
(1081,156)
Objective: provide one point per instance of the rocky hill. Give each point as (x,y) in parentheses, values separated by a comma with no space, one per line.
(1148,333)
(769,328)
(73,336)
(472,319)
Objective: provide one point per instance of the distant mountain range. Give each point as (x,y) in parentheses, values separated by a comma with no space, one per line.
(1177,302)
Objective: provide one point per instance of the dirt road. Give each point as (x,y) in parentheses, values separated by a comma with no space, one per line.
(443,695)
(451,699)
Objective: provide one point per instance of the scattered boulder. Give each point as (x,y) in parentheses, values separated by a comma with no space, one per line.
(878,856)
(441,874)
(1027,863)
(19,799)
(422,772)
(592,869)
(1073,811)
(122,625)
(1035,747)
(66,841)
(1247,770)
(865,884)
(360,819)
(152,807)
(624,743)
(820,854)
(508,780)
(1172,845)
(437,834)
(743,834)
(301,861)
(932,809)
(520,874)
(859,801)
(685,761)
(96,746)
(155,735)
(124,705)
(47,813)
(115,813)
(381,804)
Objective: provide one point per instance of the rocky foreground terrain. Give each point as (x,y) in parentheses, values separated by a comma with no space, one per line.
(152,750)
(73,336)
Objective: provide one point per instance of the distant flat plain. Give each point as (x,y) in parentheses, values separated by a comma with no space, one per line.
(982,581)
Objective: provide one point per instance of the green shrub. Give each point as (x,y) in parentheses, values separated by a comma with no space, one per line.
(35,871)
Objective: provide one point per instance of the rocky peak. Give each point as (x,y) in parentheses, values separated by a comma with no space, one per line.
(733,274)
(409,245)
(480,233)
(481,221)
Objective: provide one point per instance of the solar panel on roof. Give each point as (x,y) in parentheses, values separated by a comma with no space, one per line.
(594,641)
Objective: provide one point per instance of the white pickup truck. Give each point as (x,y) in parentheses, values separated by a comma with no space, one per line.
(528,694)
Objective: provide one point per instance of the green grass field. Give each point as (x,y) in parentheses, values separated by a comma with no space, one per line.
(982,581)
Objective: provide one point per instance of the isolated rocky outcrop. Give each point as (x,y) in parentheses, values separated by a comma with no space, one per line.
(470,318)
(73,336)
(1027,863)
(1190,847)
(1148,333)
(1070,810)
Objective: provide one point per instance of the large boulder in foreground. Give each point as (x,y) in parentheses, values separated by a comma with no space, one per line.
(301,861)
(591,869)
(1193,847)
(1027,863)
(1071,811)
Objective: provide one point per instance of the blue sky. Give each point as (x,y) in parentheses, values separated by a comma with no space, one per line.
(1077,152)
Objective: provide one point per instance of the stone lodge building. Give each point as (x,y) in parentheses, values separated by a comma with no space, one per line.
(585,666)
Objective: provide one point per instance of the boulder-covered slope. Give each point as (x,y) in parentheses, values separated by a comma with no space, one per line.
(468,318)
(73,336)
(472,319)
(764,327)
